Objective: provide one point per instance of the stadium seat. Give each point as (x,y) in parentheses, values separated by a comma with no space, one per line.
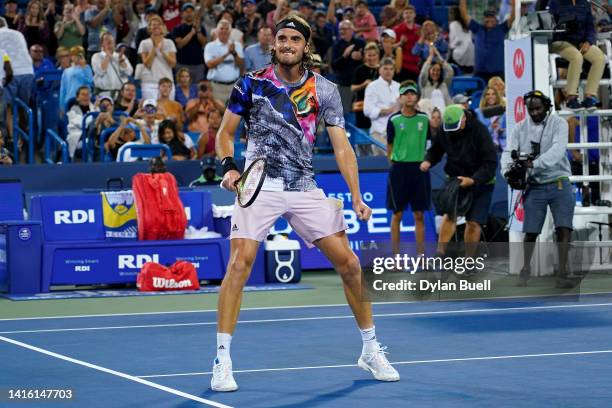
(466,85)
(475,99)
(194,136)
(440,16)
(104,136)
(456,70)
(145,151)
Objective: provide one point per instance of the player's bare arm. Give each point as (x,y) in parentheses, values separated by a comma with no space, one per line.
(347,163)
(224,145)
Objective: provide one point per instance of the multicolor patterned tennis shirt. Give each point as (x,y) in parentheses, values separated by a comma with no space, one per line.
(281,122)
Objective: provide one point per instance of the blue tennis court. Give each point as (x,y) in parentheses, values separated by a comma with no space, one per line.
(528,352)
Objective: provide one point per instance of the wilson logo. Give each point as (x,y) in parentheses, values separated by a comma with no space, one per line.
(162,283)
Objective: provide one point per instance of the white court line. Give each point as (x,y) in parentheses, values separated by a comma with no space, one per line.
(116,373)
(444,360)
(300,319)
(298,307)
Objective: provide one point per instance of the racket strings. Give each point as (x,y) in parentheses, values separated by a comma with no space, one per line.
(250,182)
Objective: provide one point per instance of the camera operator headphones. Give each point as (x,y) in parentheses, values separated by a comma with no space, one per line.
(538,94)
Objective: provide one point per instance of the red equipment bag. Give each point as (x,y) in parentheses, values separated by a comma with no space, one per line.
(154,277)
(159,209)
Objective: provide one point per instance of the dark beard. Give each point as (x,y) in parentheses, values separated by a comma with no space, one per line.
(289,66)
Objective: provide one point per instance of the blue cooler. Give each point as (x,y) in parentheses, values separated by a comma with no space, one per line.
(283,263)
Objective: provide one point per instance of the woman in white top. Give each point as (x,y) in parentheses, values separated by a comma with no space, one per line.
(435,79)
(460,41)
(158,55)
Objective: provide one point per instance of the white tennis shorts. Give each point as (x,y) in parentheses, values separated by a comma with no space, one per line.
(311,214)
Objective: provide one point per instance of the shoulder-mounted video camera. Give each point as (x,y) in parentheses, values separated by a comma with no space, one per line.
(517,173)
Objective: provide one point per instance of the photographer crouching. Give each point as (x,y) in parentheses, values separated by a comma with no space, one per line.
(535,162)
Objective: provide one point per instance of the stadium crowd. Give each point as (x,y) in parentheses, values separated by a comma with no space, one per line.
(162,71)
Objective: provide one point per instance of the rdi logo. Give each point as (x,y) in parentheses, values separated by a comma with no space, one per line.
(136,261)
(74,217)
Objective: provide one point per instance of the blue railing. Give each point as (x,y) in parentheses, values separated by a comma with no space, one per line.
(88,143)
(84,135)
(359,136)
(52,140)
(19,133)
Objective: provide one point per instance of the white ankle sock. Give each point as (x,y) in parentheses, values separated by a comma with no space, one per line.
(224,341)
(370,344)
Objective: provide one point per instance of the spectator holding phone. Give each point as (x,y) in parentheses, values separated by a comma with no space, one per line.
(69,30)
(146,115)
(125,135)
(197,109)
(111,67)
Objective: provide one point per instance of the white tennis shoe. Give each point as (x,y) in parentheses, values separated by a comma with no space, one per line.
(378,365)
(222,378)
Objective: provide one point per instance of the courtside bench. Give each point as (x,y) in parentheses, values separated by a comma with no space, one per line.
(74,249)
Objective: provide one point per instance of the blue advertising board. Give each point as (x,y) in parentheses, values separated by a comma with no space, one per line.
(93,263)
(11,204)
(117,263)
(79,217)
(361,234)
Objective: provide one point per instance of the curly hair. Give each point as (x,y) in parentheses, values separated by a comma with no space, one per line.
(307,58)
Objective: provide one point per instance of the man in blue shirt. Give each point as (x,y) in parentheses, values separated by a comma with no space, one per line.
(190,39)
(489,42)
(257,56)
(39,61)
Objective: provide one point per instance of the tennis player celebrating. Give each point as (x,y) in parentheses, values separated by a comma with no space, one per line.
(281,105)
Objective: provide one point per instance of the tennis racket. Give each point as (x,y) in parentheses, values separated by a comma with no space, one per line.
(250,182)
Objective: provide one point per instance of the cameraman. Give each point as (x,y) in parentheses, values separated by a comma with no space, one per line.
(544,175)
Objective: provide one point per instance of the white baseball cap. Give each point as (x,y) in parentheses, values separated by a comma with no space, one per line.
(150,102)
(389,32)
